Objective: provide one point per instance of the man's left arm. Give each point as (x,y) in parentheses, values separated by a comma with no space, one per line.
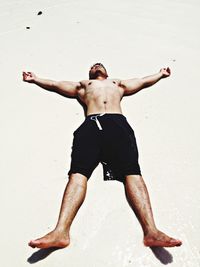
(133,86)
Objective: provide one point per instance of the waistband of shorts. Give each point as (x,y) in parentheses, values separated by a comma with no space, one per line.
(106,115)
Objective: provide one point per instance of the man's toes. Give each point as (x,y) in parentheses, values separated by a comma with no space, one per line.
(31,244)
(34,243)
(177,242)
(173,242)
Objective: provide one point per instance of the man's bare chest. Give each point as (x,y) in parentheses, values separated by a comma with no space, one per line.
(95,89)
(101,87)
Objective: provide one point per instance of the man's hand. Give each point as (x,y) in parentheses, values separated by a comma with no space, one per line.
(165,72)
(29,77)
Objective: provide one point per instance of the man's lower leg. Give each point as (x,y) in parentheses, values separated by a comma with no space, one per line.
(138,198)
(73,197)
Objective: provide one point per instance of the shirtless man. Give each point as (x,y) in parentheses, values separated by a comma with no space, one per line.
(105,136)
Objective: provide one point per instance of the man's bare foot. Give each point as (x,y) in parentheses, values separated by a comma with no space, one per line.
(159,239)
(54,239)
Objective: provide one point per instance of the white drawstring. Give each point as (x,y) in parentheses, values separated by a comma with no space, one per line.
(95,118)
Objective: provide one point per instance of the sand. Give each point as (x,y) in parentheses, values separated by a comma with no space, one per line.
(132,39)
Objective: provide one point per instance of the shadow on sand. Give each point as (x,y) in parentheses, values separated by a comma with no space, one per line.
(162,255)
(41,254)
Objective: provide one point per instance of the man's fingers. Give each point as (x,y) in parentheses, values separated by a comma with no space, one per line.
(168,69)
(25,75)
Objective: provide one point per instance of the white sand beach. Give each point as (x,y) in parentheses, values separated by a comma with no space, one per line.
(132,39)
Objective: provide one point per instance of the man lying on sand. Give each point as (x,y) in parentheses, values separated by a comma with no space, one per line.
(105,136)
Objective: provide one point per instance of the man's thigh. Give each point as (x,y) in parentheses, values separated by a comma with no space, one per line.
(85,154)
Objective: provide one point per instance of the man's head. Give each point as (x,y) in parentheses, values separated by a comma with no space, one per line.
(98,70)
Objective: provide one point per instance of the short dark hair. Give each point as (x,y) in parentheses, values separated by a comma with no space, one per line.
(98,63)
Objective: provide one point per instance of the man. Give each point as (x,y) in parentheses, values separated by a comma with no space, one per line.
(105,136)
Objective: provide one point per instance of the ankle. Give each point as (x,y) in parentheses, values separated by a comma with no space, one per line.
(61,229)
(151,232)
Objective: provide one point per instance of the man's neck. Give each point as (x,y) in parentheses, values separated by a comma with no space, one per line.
(100,78)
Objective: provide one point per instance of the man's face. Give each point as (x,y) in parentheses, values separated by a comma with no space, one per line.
(97,70)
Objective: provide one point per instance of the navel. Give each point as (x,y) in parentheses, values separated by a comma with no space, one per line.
(114,82)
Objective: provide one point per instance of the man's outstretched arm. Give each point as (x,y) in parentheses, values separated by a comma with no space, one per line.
(65,88)
(133,86)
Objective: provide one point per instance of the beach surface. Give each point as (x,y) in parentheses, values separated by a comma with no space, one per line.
(60,40)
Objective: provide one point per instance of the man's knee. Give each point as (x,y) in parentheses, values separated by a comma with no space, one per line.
(77,178)
(133,177)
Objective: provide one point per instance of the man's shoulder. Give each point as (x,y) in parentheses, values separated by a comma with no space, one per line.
(84,83)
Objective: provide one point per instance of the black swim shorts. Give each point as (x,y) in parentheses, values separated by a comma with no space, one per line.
(109,139)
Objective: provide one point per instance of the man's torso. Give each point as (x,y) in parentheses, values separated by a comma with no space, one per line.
(101,96)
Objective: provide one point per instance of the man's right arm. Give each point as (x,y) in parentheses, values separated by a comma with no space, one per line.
(65,88)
